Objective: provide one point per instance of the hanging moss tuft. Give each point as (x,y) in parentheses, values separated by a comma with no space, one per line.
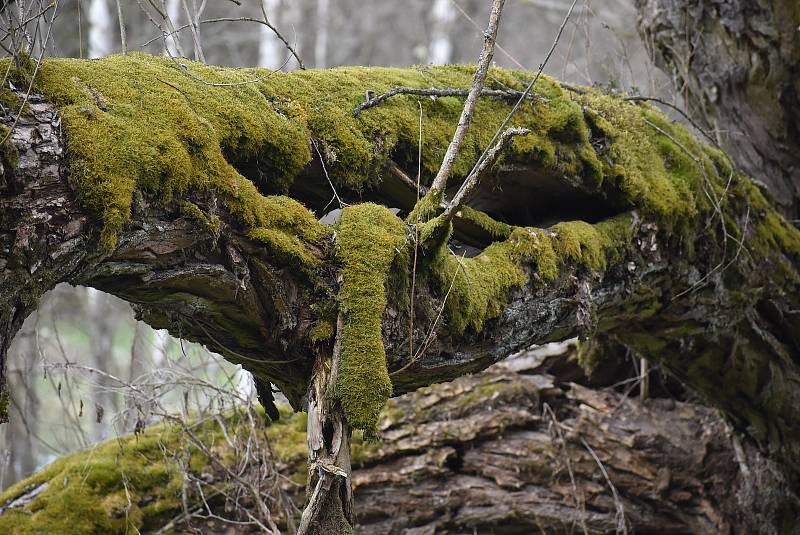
(368,238)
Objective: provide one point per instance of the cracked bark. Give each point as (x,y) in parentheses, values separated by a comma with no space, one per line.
(735,63)
(518,448)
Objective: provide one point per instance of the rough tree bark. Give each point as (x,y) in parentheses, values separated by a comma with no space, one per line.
(673,254)
(509,450)
(736,65)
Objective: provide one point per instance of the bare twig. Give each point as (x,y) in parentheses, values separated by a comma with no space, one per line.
(474,177)
(485,59)
(122,34)
(622,525)
(342,204)
(416,242)
(529,88)
(638,98)
(435,92)
(33,76)
(192,18)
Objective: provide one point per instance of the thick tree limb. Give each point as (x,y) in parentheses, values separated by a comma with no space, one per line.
(511,450)
(720,315)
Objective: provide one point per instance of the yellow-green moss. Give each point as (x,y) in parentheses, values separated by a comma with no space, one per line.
(86,491)
(496,229)
(477,289)
(368,238)
(595,245)
(324,330)
(139,123)
(650,169)
(211,222)
(8,152)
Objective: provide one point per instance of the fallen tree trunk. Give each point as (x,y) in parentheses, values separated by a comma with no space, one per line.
(160,186)
(504,451)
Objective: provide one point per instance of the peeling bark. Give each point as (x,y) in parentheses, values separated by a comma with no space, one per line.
(510,452)
(330,491)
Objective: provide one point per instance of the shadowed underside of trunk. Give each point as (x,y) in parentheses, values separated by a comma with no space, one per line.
(196,197)
(510,450)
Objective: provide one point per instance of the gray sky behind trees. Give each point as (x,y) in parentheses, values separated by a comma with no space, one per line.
(56,410)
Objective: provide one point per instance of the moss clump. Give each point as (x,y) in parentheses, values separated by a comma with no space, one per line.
(592,246)
(211,222)
(368,238)
(86,491)
(8,152)
(138,123)
(496,229)
(476,289)
(650,170)
(4,399)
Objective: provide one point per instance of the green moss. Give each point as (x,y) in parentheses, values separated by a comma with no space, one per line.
(650,170)
(4,400)
(368,238)
(133,484)
(477,289)
(324,330)
(768,229)
(211,222)
(8,152)
(138,123)
(496,229)
(592,246)
(85,491)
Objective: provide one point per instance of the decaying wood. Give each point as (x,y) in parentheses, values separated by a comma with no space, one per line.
(510,452)
(517,450)
(330,491)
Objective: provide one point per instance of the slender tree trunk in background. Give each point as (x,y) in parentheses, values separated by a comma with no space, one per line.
(30,405)
(172,42)
(736,65)
(270,50)
(440,48)
(20,457)
(321,37)
(101,25)
(101,331)
(192,16)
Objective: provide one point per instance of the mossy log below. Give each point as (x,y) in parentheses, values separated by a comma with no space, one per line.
(199,194)
(496,452)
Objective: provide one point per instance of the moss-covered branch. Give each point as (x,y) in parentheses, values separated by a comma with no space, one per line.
(200,204)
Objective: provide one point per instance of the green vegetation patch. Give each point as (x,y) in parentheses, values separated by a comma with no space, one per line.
(477,289)
(368,238)
(141,123)
(134,484)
